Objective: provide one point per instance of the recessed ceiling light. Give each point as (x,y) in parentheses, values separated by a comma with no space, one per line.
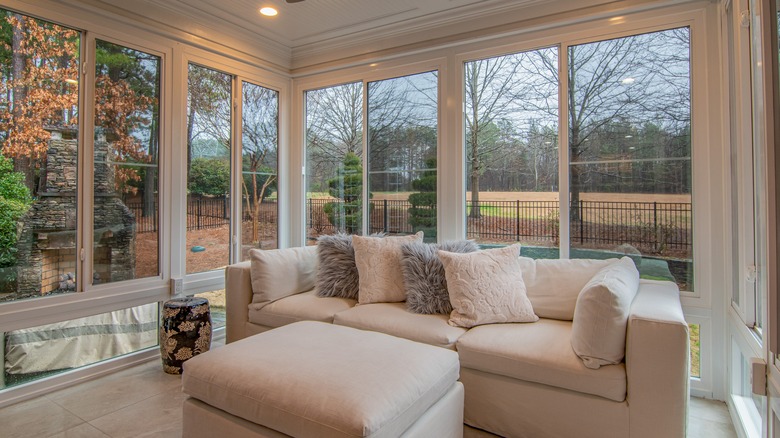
(268,11)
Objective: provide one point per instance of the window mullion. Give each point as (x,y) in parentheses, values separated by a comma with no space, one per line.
(366,204)
(563,152)
(85,197)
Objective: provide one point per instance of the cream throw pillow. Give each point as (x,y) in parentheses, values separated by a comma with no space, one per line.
(553,285)
(598,333)
(378,261)
(486,287)
(279,273)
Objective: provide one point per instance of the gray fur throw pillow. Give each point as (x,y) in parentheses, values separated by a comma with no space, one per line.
(426,286)
(337,274)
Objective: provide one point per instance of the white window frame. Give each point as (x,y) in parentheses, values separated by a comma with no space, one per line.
(239,72)
(364,74)
(710,188)
(93,300)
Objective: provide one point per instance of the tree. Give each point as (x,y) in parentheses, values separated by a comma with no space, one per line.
(636,78)
(346,215)
(127,109)
(260,130)
(422,213)
(14,202)
(43,89)
(503,89)
(334,128)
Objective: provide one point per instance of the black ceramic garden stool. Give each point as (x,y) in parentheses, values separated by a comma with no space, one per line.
(185,331)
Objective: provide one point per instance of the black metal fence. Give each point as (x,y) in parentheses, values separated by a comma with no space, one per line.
(651,226)
(202,213)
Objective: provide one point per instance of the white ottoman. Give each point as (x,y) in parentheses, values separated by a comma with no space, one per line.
(312,379)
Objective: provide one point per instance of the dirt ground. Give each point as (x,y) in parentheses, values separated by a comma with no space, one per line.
(214,240)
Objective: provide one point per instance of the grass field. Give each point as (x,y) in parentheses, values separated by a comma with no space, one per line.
(539,196)
(695,347)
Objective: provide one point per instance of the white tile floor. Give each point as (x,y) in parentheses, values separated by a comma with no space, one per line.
(143,401)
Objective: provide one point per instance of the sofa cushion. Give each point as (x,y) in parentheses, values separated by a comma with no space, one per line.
(394,319)
(279,273)
(486,287)
(321,380)
(424,277)
(337,274)
(599,328)
(378,262)
(554,284)
(540,353)
(306,306)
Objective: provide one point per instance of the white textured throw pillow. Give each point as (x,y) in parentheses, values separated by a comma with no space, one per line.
(378,261)
(279,273)
(553,285)
(598,333)
(486,287)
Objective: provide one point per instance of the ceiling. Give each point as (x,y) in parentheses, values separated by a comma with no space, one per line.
(315,33)
(315,21)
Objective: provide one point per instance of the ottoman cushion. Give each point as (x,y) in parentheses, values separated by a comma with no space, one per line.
(316,379)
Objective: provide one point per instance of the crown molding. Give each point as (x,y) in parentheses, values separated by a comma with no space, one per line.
(393,41)
(183,25)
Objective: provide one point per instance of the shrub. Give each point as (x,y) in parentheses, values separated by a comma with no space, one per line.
(209,176)
(14,202)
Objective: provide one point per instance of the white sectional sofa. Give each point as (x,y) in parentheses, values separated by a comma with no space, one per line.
(521,380)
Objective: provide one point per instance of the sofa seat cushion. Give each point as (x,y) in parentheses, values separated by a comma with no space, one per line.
(541,353)
(394,319)
(306,306)
(322,380)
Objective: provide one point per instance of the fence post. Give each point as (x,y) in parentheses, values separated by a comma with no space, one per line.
(655,226)
(225,202)
(517,220)
(386,216)
(311,214)
(582,224)
(199,211)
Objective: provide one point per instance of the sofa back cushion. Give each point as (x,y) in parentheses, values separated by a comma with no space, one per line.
(337,274)
(279,273)
(486,287)
(554,284)
(424,280)
(598,333)
(378,262)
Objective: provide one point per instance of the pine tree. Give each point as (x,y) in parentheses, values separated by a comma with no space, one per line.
(422,213)
(347,186)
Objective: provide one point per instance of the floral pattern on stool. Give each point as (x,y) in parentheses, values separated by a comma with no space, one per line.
(185,331)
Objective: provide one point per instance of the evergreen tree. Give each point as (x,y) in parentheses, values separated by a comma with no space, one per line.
(347,186)
(422,213)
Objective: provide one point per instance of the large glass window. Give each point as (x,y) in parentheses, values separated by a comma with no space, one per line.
(259,142)
(629,107)
(39,83)
(511,118)
(402,133)
(208,169)
(334,163)
(127,114)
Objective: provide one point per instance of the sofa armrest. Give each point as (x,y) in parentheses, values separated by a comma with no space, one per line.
(238,295)
(657,362)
